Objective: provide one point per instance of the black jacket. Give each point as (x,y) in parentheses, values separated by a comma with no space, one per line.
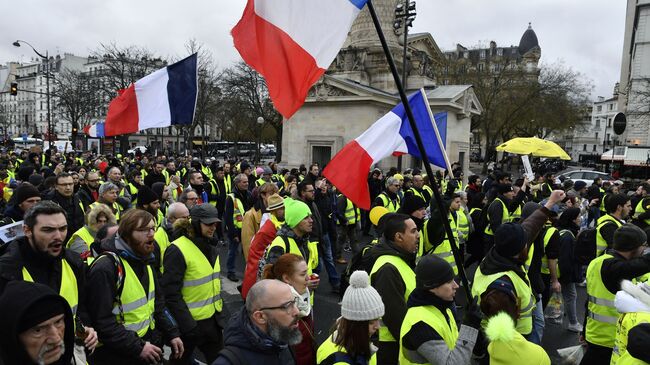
(153,178)
(73,211)
(172,282)
(102,290)
(44,269)
(85,196)
(252,345)
(19,298)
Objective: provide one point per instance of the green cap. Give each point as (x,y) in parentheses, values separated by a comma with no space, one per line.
(295,211)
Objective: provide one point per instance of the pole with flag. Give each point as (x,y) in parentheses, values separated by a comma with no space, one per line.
(420,146)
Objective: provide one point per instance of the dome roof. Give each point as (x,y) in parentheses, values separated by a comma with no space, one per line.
(528,40)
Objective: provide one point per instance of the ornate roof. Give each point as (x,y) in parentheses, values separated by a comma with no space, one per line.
(528,41)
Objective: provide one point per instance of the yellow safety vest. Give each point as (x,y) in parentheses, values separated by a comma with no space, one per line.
(201,282)
(69,289)
(516,215)
(601,312)
(415,192)
(352,213)
(137,305)
(547,238)
(626,321)
(207,172)
(329,349)
(160,217)
(391,205)
(84,234)
(408,277)
(640,209)
(444,250)
(162,239)
(463,223)
(215,191)
(291,244)
(504,219)
(601,244)
(133,190)
(227,182)
(522,290)
(237,211)
(432,317)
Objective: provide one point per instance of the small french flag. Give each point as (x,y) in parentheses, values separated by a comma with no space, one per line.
(161,99)
(94,130)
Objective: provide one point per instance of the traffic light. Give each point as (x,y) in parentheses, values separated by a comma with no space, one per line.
(14,89)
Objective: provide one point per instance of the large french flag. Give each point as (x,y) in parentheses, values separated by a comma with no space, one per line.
(390,135)
(292,42)
(163,98)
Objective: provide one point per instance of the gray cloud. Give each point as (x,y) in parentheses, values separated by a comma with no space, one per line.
(586,34)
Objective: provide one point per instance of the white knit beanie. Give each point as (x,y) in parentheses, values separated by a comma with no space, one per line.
(361,302)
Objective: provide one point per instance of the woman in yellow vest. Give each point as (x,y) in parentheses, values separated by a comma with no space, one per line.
(633,326)
(96,218)
(361,309)
(292,269)
(429,333)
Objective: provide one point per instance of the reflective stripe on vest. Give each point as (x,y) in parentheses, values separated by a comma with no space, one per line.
(444,250)
(201,282)
(227,182)
(601,244)
(391,205)
(627,321)
(352,213)
(463,223)
(522,290)
(601,312)
(408,277)
(237,214)
(547,238)
(435,319)
(68,290)
(136,311)
(505,217)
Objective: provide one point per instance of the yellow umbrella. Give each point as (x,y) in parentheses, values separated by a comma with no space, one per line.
(533,146)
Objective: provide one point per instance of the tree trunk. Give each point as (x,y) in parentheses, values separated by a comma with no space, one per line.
(278,143)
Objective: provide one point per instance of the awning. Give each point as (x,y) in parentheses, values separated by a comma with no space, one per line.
(637,157)
(618,154)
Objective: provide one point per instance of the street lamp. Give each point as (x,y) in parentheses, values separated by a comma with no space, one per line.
(404,16)
(260,123)
(47,86)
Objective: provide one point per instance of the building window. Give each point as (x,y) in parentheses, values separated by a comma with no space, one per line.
(610,107)
(465,54)
(598,123)
(499,51)
(594,149)
(609,123)
(596,135)
(599,108)
(584,147)
(482,54)
(481,67)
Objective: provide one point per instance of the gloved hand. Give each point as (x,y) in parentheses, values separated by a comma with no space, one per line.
(473,314)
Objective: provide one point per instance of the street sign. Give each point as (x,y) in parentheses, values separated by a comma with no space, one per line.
(619,123)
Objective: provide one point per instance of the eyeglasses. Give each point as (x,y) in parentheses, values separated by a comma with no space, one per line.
(285,306)
(147,229)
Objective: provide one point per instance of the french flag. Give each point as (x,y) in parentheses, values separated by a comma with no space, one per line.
(163,98)
(292,42)
(94,130)
(390,135)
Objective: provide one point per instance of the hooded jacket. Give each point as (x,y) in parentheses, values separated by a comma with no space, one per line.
(16,301)
(253,345)
(102,290)
(74,213)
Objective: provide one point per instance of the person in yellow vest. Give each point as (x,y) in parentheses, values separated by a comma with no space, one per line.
(389,198)
(506,260)
(633,325)
(134,184)
(127,299)
(506,345)
(108,197)
(265,177)
(25,196)
(237,203)
(498,212)
(361,310)
(114,175)
(96,218)
(418,189)
(549,269)
(293,237)
(38,326)
(227,177)
(349,223)
(164,233)
(604,275)
(392,261)
(252,220)
(40,256)
(429,333)
(191,282)
(618,209)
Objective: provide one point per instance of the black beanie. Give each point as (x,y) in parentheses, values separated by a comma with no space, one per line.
(504,188)
(509,239)
(146,196)
(432,271)
(411,203)
(25,191)
(528,209)
(158,188)
(629,237)
(40,311)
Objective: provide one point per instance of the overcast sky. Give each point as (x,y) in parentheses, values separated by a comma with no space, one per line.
(587,35)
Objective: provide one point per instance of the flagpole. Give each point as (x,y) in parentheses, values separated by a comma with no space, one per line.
(418,139)
(435,129)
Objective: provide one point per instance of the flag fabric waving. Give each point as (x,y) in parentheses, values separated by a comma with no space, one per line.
(94,130)
(292,42)
(390,135)
(160,99)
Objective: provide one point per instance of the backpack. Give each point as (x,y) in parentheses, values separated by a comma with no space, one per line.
(357,262)
(232,354)
(120,273)
(584,249)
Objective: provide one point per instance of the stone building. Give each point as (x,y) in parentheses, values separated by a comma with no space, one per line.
(358,89)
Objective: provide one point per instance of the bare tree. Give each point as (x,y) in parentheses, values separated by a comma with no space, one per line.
(638,91)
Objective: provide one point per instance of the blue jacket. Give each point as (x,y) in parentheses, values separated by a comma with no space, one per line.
(252,344)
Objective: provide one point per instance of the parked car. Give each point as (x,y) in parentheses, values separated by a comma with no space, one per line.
(142,149)
(587,176)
